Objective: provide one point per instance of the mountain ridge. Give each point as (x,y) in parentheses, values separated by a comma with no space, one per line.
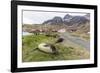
(68,19)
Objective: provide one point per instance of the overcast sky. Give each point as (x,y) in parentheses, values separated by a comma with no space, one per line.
(38,17)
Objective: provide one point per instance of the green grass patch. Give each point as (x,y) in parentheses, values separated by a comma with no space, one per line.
(31,42)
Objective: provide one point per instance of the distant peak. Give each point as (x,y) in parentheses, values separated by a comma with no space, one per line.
(67,16)
(57,17)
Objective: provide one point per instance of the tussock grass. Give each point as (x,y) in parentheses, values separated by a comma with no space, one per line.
(66,52)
